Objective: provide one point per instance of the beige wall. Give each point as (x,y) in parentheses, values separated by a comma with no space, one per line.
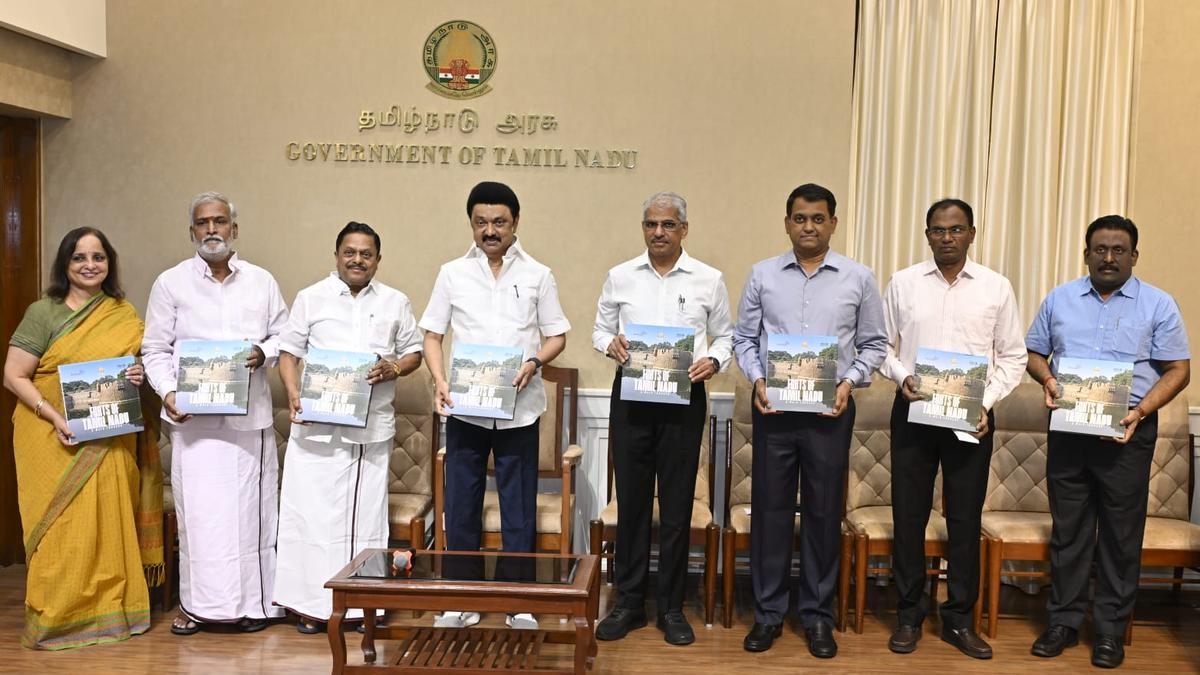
(1165,201)
(35,77)
(77,25)
(730,104)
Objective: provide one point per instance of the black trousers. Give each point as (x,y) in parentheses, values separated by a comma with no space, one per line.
(516,464)
(654,441)
(917,449)
(811,451)
(1098,492)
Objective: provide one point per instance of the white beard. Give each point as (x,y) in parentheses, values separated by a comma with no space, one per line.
(210,254)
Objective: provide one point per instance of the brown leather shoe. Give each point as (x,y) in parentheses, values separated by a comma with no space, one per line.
(967,642)
(904,640)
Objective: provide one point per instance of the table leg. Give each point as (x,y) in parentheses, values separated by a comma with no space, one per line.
(368,641)
(337,639)
(584,644)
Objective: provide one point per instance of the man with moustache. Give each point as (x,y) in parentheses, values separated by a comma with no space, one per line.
(334,500)
(496,294)
(810,290)
(1099,486)
(659,442)
(224,469)
(950,303)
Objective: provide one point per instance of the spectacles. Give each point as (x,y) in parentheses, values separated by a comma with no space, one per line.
(666,225)
(1103,251)
(939,232)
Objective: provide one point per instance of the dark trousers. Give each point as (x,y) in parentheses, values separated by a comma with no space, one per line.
(516,464)
(654,441)
(917,449)
(1098,492)
(811,451)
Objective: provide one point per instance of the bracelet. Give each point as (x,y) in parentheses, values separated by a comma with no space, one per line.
(37,409)
(395,367)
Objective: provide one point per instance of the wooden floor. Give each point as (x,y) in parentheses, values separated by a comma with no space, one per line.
(1166,640)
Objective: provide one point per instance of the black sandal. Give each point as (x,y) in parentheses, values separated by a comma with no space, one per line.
(307,627)
(248,625)
(188,627)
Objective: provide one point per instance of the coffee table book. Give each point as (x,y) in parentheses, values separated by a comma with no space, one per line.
(657,368)
(481,380)
(802,372)
(213,378)
(334,387)
(1093,396)
(98,402)
(951,388)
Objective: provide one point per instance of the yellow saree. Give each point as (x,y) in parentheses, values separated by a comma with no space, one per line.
(91,513)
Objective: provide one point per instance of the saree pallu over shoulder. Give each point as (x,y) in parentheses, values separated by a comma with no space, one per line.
(92,514)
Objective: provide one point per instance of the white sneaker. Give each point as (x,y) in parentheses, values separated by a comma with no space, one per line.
(456,620)
(522,621)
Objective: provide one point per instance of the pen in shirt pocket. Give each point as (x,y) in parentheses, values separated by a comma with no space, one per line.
(517,291)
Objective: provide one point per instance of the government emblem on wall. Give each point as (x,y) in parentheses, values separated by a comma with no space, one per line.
(459,58)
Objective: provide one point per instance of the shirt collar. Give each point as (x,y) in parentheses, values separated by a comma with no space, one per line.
(202,268)
(342,288)
(833,260)
(970,269)
(514,251)
(1128,289)
(683,264)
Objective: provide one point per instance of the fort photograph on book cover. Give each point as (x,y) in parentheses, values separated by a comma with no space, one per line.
(657,368)
(481,379)
(213,377)
(951,387)
(334,388)
(97,399)
(1093,396)
(802,372)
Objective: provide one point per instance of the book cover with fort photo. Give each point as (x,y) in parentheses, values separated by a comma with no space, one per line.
(951,388)
(1093,396)
(213,378)
(481,380)
(802,372)
(657,369)
(98,401)
(334,387)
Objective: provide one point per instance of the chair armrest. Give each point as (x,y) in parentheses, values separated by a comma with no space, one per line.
(572,456)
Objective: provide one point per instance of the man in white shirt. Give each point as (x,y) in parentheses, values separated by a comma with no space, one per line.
(334,499)
(663,286)
(224,468)
(496,294)
(949,303)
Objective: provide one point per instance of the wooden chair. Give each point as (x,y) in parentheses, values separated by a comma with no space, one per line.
(869,503)
(735,537)
(704,529)
(558,457)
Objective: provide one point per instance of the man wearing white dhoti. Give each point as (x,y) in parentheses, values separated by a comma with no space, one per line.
(334,501)
(224,468)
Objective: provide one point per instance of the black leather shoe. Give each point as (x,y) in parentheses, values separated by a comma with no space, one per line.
(905,639)
(761,636)
(967,642)
(675,628)
(1054,641)
(1108,651)
(619,622)
(820,640)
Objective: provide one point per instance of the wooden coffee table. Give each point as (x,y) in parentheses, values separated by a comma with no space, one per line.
(466,581)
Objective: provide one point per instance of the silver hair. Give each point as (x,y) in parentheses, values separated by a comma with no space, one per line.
(670,198)
(206,197)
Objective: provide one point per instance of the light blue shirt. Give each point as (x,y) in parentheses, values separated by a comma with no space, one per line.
(1138,323)
(841,299)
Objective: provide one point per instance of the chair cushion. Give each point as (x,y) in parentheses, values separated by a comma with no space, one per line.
(1171,533)
(549,512)
(168,499)
(701,517)
(1018,527)
(404,507)
(876,523)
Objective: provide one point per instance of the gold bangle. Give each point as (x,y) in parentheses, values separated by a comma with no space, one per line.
(395,367)
(37,409)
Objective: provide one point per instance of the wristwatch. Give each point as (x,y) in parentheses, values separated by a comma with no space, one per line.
(537,363)
(716,363)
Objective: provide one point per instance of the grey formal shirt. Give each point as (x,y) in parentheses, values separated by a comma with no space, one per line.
(841,298)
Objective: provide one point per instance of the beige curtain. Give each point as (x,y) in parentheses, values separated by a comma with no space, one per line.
(1024,108)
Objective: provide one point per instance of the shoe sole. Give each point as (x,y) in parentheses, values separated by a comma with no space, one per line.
(1046,654)
(631,627)
(902,649)
(981,657)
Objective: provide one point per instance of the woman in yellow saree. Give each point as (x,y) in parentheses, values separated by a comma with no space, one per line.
(91,512)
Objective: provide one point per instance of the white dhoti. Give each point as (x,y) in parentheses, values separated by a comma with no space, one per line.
(225,485)
(333,505)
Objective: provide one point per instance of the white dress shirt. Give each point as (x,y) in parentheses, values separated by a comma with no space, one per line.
(514,309)
(188,303)
(976,315)
(690,294)
(378,320)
